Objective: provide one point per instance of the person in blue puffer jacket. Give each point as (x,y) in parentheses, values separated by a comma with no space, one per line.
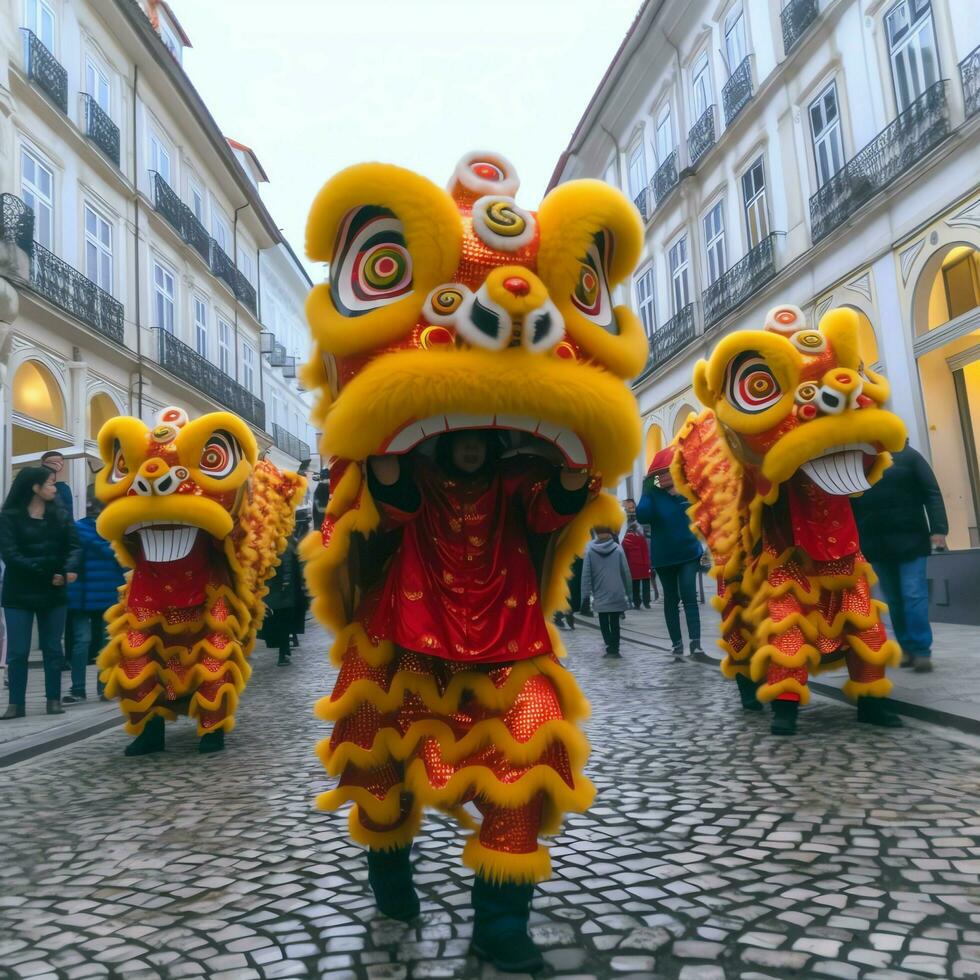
(96,589)
(675,552)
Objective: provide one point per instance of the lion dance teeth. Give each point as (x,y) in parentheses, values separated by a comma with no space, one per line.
(182,632)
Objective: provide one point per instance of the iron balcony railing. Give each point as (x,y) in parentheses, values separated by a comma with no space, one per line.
(642,203)
(916,131)
(245,291)
(970,79)
(797,17)
(166,201)
(702,136)
(221,265)
(665,179)
(289,443)
(277,356)
(737,92)
(740,282)
(16,222)
(44,69)
(100,129)
(194,233)
(673,336)
(69,290)
(186,364)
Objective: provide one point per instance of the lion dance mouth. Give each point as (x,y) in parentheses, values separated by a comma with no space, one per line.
(452,311)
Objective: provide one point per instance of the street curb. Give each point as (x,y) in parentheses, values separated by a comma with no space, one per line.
(38,744)
(921,712)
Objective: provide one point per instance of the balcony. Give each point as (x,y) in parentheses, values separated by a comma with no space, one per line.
(665,179)
(221,266)
(194,233)
(290,444)
(970,78)
(245,291)
(16,223)
(797,17)
(916,131)
(737,92)
(46,72)
(166,201)
(673,336)
(642,203)
(100,129)
(186,364)
(740,282)
(69,290)
(702,136)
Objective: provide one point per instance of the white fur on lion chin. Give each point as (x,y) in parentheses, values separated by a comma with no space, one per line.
(567,442)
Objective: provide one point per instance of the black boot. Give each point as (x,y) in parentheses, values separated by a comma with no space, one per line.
(784,717)
(570,621)
(54,707)
(13,711)
(212,742)
(874,711)
(151,739)
(746,691)
(390,878)
(500,914)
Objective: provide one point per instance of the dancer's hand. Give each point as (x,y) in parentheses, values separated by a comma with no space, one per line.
(574,479)
(386,469)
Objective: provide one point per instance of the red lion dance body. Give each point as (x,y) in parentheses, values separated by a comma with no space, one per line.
(458,335)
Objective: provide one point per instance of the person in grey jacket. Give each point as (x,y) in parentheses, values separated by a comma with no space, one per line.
(606,583)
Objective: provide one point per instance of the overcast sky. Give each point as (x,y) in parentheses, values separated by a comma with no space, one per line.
(315,85)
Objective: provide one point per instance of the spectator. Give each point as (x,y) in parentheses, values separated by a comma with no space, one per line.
(285,598)
(99,579)
(637,551)
(900,520)
(39,547)
(674,551)
(54,461)
(606,585)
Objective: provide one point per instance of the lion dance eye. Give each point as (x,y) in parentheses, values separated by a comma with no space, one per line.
(371,266)
(806,392)
(501,224)
(120,468)
(590,294)
(751,386)
(809,341)
(220,456)
(786,319)
(443,302)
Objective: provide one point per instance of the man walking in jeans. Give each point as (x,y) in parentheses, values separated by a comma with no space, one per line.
(900,520)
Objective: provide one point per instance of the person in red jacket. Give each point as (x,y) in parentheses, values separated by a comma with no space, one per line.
(637,550)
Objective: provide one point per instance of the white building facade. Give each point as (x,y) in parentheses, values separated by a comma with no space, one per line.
(132,239)
(818,152)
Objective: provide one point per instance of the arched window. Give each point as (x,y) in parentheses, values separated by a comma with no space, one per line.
(100,409)
(681,417)
(36,395)
(654,443)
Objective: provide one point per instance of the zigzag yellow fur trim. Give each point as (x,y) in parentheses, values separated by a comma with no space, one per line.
(384,840)
(789,685)
(879,688)
(501,866)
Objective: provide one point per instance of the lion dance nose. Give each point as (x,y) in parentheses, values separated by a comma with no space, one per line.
(517,286)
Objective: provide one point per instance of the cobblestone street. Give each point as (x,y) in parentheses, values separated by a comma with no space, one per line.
(713,850)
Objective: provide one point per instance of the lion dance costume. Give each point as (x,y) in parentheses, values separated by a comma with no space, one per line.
(448,312)
(201,523)
(794,426)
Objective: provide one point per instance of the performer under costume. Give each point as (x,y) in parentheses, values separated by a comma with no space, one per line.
(473,401)
(794,426)
(201,524)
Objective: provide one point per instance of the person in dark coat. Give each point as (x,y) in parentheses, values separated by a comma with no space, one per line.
(637,550)
(54,461)
(285,597)
(675,552)
(900,520)
(40,550)
(96,590)
(566,617)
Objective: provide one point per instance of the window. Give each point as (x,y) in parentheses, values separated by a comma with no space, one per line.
(224,345)
(665,135)
(97,84)
(37,191)
(637,171)
(735,47)
(912,48)
(245,264)
(754,197)
(248,366)
(645,300)
(197,200)
(828,146)
(164,297)
(679,261)
(201,326)
(98,249)
(160,158)
(962,284)
(170,38)
(39,19)
(220,231)
(276,408)
(701,85)
(714,241)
